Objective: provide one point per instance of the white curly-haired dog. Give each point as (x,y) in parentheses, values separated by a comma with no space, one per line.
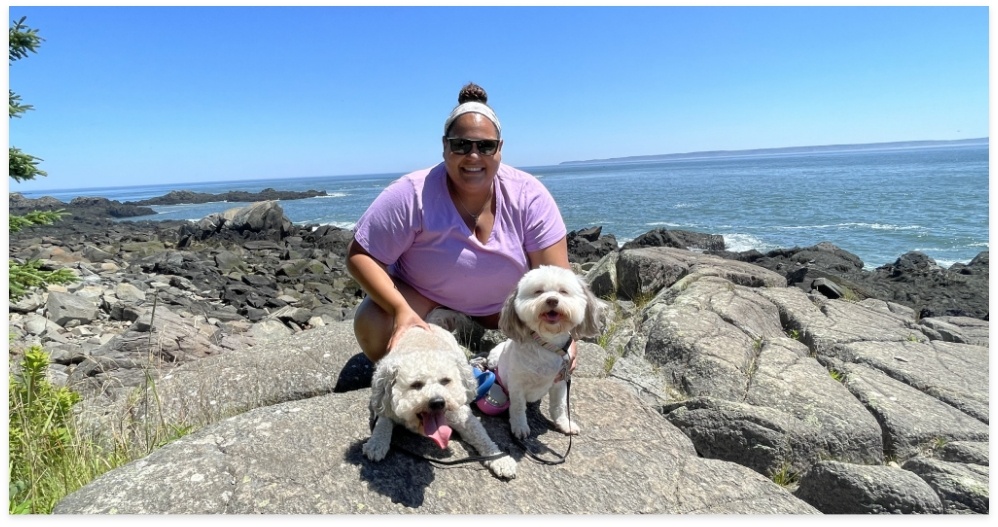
(426,384)
(549,308)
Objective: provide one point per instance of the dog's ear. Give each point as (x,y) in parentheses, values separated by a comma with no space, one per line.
(592,320)
(509,321)
(381,386)
(468,380)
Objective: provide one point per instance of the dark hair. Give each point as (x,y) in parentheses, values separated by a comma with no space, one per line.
(472,92)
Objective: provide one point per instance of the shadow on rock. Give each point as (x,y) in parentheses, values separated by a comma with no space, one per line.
(355,375)
(402,478)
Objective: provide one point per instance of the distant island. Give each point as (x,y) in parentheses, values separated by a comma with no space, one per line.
(900,145)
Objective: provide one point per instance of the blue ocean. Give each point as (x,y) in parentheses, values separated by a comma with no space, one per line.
(877,204)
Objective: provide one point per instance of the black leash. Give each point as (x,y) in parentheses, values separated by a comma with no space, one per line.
(469,459)
(526,449)
(561,457)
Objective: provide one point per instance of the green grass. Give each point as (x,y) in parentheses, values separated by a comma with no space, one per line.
(837,375)
(784,477)
(611,359)
(50,457)
(794,334)
(849,295)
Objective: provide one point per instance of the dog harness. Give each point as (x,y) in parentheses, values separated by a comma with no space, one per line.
(493,397)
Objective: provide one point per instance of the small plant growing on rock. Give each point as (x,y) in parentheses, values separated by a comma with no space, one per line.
(794,334)
(611,359)
(849,295)
(836,375)
(784,477)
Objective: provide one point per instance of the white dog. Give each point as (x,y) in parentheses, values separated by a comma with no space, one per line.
(426,384)
(549,307)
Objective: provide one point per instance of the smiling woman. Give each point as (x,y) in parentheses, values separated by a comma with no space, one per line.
(456,236)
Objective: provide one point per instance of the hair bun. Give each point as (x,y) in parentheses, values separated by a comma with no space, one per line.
(472,92)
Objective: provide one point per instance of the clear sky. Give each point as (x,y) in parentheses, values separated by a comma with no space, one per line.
(149,95)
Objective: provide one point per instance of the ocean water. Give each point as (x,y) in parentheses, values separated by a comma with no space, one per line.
(877,204)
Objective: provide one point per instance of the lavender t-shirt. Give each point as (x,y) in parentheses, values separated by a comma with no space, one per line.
(415,229)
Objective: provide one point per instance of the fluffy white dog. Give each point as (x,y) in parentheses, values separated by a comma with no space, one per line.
(426,384)
(549,307)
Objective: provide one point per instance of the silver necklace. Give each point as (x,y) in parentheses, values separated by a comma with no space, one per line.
(474,217)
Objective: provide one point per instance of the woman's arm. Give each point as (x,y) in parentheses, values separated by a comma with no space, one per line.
(555,254)
(372,275)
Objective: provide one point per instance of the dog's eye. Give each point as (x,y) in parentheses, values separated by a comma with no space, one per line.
(563,292)
(418,385)
(445,381)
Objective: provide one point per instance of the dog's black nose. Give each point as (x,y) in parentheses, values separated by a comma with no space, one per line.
(437,403)
(553,302)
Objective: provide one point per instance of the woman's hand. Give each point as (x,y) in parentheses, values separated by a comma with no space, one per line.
(404,319)
(573,354)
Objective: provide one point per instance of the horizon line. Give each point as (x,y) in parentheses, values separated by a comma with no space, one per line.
(775,150)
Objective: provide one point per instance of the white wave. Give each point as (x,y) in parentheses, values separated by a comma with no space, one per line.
(874,226)
(334,195)
(946,264)
(888,227)
(346,225)
(685,205)
(738,242)
(981,244)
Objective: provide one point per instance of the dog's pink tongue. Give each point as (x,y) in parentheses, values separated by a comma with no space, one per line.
(435,427)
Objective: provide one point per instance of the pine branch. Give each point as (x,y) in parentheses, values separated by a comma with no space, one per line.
(35,217)
(30,275)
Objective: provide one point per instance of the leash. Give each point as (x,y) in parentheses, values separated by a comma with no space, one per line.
(461,461)
(484,385)
(561,457)
(498,404)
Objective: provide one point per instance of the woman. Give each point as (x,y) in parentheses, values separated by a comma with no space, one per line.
(458,235)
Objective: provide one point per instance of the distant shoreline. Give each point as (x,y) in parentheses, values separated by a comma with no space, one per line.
(897,145)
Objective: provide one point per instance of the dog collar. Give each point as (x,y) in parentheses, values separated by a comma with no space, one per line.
(551,347)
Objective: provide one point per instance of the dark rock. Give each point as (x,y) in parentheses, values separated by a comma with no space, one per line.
(913,280)
(81,207)
(677,239)
(587,245)
(183,197)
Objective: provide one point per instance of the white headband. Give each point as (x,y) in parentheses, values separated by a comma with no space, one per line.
(473,107)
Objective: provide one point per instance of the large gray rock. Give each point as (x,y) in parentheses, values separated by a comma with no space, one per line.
(64,308)
(752,395)
(843,488)
(261,216)
(643,272)
(299,450)
(962,487)
(778,380)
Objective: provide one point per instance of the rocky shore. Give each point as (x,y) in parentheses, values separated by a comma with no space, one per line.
(719,372)
(91,208)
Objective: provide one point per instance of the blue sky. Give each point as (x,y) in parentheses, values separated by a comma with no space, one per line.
(150,95)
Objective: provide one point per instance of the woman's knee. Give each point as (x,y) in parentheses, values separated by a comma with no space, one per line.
(372,328)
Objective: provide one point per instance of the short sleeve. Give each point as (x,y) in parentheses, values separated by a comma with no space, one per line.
(543,223)
(389,225)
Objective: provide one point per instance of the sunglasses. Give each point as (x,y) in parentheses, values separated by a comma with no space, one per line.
(486,147)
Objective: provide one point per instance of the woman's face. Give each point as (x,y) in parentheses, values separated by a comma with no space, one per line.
(472,171)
